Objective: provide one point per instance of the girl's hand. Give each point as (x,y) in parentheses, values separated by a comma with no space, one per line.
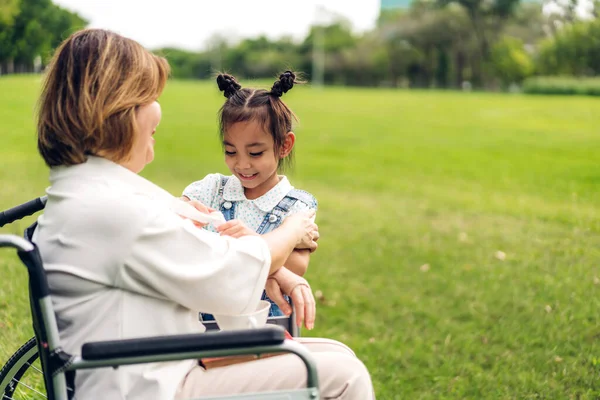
(286,282)
(235,228)
(307,231)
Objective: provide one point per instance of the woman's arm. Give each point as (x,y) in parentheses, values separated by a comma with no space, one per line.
(170,258)
(298,261)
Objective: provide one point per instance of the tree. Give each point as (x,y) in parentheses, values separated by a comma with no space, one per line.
(331,41)
(510,62)
(8,10)
(487,18)
(427,44)
(32,28)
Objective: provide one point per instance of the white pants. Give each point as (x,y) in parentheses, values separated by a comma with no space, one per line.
(341,375)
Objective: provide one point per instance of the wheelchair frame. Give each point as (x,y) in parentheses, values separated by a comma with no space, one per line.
(59,368)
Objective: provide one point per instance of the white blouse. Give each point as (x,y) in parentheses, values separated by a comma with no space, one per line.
(121,265)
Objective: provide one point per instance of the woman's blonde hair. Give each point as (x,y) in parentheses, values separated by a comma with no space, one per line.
(95,82)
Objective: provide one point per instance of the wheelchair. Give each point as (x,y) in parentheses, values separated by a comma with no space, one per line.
(40,369)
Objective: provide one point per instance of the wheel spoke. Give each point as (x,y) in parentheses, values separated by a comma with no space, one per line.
(34,367)
(29,387)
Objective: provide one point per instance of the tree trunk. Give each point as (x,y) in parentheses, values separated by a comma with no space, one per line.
(478,75)
(460,68)
(393,72)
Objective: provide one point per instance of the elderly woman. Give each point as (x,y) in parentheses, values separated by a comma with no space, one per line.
(121,264)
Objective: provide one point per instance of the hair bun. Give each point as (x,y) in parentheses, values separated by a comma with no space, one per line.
(228,85)
(286,82)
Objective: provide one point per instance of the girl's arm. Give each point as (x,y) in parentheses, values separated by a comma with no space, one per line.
(298,261)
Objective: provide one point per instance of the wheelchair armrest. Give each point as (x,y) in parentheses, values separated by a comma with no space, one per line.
(223,340)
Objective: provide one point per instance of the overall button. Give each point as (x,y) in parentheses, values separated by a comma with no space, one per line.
(273,218)
(227,205)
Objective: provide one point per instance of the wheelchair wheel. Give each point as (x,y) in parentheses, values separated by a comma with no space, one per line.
(22,378)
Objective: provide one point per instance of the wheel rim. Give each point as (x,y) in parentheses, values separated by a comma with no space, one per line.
(24,380)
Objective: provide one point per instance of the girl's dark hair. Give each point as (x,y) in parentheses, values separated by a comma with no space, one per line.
(265,107)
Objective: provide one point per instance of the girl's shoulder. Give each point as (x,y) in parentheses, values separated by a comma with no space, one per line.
(205,190)
(301,200)
(304,197)
(293,198)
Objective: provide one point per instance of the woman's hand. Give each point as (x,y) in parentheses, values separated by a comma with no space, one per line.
(283,281)
(235,228)
(200,207)
(312,246)
(305,228)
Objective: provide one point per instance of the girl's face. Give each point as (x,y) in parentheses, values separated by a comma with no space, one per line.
(142,153)
(251,156)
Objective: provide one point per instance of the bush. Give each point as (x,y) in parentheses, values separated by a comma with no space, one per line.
(562,85)
(575,50)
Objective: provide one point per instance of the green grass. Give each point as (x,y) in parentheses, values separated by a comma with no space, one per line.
(406,179)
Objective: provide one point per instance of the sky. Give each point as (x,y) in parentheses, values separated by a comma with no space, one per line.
(189,24)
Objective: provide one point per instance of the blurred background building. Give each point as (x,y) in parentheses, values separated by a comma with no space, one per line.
(394,4)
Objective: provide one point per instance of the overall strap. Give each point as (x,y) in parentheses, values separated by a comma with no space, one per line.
(226,207)
(304,197)
(224,180)
(274,218)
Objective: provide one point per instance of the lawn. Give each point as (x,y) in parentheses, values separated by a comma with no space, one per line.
(460,250)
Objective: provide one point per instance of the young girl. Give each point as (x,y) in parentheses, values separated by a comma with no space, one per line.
(256,132)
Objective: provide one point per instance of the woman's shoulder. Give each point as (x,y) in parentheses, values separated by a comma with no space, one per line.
(107,213)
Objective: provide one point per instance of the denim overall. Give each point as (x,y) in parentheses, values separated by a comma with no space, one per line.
(271,221)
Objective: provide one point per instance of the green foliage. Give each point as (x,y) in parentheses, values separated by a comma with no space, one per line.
(574,50)
(480,8)
(423,46)
(337,37)
(8,10)
(460,233)
(6,41)
(186,64)
(510,62)
(433,43)
(392,14)
(35,28)
(563,85)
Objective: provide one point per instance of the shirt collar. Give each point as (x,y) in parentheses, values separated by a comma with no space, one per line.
(98,167)
(234,191)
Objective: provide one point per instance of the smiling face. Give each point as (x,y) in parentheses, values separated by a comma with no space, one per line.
(251,156)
